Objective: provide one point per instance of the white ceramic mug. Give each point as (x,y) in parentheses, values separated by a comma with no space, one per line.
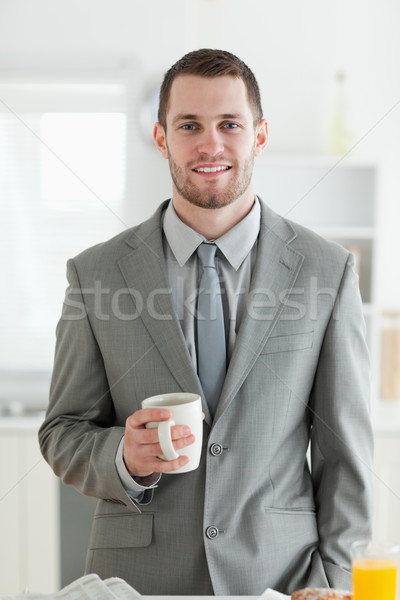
(186,410)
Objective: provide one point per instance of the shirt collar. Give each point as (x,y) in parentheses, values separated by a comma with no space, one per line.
(182,240)
(235,244)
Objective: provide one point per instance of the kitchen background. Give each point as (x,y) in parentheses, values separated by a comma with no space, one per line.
(78,86)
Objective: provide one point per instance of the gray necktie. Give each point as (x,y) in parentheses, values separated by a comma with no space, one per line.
(211,343)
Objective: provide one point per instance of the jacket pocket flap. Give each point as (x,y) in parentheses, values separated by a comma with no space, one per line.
(121,531)
(299,511)
(287,343)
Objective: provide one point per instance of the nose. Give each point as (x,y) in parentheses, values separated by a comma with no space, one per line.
(210,143)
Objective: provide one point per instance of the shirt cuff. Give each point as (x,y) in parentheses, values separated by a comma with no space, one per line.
(134,487)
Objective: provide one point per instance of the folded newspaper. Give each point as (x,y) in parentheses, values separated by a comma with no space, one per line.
(91,587)
(273,595)
(88,587)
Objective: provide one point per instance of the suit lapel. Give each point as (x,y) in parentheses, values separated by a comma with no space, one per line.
(275,272)
(276,269)
(144,272)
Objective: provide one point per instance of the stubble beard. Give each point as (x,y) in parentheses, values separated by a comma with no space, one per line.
(212,199)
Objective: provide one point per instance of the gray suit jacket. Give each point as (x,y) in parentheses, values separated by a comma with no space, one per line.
(252,515)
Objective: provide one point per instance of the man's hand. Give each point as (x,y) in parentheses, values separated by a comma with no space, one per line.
(142,447)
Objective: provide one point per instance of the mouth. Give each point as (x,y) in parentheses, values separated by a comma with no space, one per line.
(212,170)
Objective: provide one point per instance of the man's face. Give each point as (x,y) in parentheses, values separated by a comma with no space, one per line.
(210,140)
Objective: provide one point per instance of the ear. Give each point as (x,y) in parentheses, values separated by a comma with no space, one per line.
(261,137)
(160,138)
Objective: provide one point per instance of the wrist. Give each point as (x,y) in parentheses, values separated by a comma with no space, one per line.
(147,480)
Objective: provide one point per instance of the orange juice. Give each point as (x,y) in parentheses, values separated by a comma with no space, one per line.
(374,579)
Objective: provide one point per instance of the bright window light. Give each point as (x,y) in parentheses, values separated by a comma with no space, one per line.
(62,189)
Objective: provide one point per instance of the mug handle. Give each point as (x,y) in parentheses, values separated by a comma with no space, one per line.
(164,434)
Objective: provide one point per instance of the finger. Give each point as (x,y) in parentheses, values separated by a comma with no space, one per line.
(184,441)
(153,450)
(146,456)
(180,431)
(146,415)
(157,465)
(150,435)
(166,466)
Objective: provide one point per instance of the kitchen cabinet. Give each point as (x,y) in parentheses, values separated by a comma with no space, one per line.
(337,198)
(29,511)
(386,475)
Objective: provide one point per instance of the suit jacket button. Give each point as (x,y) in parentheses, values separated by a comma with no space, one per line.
(216,449)
(212,532)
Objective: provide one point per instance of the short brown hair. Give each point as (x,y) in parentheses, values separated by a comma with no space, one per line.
(210,63)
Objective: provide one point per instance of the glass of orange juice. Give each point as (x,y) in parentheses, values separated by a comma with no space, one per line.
(374,568)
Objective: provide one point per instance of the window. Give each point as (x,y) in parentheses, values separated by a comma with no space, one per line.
(62,188)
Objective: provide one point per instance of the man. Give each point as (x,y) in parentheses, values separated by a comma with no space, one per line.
(252,515)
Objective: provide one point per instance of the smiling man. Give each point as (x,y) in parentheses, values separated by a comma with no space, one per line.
(273,379)
(211,149)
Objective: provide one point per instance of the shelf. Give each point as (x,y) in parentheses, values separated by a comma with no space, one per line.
(370,309)
(21,424)
(336,197)
(320,196)
(313,160)
(386,415)
(348,233)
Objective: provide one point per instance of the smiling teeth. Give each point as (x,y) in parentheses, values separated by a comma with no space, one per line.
(211,169)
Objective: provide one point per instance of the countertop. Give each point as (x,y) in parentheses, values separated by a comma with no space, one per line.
(22,423)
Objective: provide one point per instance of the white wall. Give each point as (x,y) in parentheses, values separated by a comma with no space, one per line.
(294,48)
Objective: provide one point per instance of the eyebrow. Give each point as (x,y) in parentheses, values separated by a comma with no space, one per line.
(193,117)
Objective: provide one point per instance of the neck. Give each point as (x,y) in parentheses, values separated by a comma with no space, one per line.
(212,223)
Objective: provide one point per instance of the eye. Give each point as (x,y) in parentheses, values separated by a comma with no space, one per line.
(230,125)
(188,127)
